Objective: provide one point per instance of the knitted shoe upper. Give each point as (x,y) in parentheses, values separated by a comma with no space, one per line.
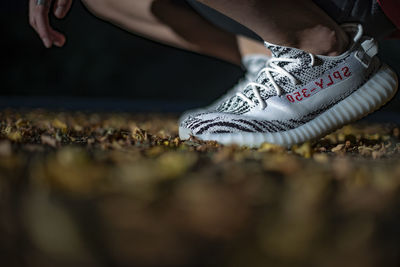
(294,88)
(301,70)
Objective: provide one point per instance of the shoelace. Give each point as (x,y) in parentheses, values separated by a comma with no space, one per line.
(251,74)
(271,66)
(241,84)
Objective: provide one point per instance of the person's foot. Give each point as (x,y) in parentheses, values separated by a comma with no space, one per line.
(300,96)
(252,64)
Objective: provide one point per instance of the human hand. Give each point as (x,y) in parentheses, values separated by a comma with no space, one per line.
(39,19)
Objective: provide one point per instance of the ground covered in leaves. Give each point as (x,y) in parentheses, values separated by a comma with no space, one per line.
(88,189)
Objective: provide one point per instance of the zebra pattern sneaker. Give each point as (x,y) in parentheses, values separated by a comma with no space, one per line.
(300,96)
(252,65)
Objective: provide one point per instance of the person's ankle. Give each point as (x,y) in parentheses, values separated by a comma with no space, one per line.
(322,40)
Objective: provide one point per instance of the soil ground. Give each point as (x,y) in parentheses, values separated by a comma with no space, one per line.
(103,189)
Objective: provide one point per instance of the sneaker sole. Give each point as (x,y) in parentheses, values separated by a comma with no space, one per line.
(375,93)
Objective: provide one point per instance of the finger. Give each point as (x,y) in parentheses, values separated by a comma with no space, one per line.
(61,8)
(42,25)
(32,6)
(58,38)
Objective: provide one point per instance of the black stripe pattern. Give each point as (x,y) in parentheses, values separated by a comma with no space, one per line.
(219,123)
(231,116)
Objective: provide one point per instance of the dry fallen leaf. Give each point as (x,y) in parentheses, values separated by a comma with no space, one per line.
(48,140)
(60,125)
(338,148)
(124,190)
(5,148)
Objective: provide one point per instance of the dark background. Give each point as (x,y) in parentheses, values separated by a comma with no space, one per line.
(105,68)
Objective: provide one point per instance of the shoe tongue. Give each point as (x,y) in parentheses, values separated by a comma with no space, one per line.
(278,51)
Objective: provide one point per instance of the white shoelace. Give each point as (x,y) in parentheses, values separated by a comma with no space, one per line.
(251,74)
(240,85)
(271,66)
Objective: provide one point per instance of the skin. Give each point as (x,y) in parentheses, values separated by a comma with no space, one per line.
(295,23)
(153,19)
(309,28)
(39,20)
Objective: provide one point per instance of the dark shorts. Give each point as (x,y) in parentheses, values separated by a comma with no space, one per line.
(366,12)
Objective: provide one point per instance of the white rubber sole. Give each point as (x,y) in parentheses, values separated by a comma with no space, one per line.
(375,93)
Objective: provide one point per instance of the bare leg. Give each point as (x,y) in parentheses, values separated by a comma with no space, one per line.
(295,23)
(249,46)
(157,20)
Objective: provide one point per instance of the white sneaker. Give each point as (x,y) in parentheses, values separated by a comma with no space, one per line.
(253,65)
(300,96)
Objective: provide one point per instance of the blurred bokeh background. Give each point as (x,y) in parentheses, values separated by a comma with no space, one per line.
(104,67)
(120,189)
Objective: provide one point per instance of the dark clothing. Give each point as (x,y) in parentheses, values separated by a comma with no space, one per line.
(367,12)
(221,20)
(392,11)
